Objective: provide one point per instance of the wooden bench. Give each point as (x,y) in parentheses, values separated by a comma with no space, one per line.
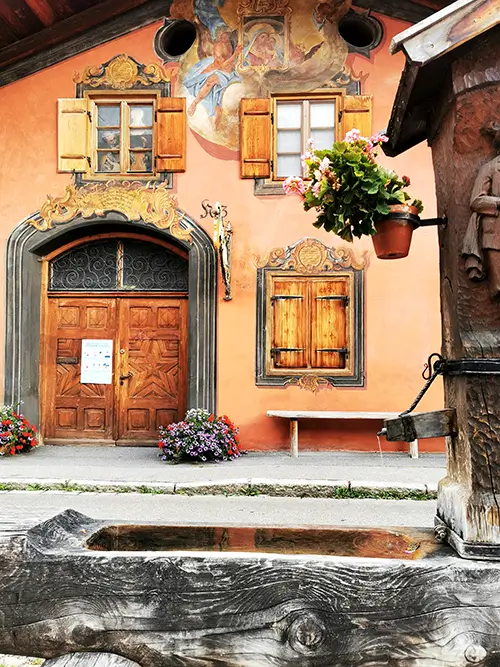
(295,415)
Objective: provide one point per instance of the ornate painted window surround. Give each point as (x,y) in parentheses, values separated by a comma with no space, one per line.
(311,257)
(34,237)
(123,73)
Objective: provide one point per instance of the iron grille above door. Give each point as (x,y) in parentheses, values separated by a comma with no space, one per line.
(119,265)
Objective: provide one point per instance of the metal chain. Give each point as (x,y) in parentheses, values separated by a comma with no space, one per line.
(431,371)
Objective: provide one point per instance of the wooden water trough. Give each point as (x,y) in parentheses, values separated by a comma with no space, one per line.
(160,596)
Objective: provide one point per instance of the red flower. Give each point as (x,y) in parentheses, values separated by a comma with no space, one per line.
(19,446)
(406,180)
(211,418)
(12,451)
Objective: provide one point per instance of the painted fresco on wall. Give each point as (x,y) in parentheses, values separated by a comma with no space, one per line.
(251,48)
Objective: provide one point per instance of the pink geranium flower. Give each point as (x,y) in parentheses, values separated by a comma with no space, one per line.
(294,185)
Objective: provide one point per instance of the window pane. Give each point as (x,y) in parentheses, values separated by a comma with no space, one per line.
(288,165)
(141,115)
(140,161)
(108,115)
(108,139)
(288,141)
(141,138)
(289,116)
(322,114)
(323,138)
(108,161)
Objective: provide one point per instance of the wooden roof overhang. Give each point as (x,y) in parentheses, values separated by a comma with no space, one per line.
(430,47)
(35,34)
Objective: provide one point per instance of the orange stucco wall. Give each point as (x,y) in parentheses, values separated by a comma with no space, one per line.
(402,318)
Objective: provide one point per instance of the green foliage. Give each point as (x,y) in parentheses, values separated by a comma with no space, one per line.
(350,191)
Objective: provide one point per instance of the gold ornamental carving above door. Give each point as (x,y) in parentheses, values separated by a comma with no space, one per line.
(152,204)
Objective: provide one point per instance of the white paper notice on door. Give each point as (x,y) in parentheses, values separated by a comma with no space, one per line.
(97,361)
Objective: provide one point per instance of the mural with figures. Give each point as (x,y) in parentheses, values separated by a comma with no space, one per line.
(250,48)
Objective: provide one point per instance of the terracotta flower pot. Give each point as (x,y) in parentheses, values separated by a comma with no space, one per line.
(393,237)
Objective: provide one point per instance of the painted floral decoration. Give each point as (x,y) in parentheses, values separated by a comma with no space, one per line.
(17,435)
(350,191)
(200,437)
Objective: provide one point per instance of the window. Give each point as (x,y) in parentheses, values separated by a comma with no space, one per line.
(309,326)
(310,316)
(274,131)
(296,122)
(131,137)
(123,139)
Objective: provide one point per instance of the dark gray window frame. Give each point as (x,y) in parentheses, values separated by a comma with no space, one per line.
(26,247)
(357,379)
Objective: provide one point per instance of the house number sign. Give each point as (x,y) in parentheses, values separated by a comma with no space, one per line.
(97,364)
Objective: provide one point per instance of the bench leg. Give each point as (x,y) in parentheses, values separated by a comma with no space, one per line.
(294,438)
(413,449)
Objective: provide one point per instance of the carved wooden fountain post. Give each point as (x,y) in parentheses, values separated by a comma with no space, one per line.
(450,94)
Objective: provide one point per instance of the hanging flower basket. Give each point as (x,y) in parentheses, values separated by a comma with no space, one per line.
(354,196)
(392,238)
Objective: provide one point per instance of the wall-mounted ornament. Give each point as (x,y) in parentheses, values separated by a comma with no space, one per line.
(120,73)
(152,204)
(311,256)
(223,238)
(313,383)
(481,248)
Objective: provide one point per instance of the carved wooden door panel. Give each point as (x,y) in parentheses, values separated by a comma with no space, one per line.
(152,366)
(76,411)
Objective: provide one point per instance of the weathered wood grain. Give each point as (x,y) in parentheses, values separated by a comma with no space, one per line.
(425,425)
(188,609)
(90,660)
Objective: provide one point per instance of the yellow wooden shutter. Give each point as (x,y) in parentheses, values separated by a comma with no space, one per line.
(255,137)
(171,134)
(329,323)
(73,128)
(358,114)
(289,323)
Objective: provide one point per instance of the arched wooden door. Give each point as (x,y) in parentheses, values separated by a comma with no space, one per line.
(114,341)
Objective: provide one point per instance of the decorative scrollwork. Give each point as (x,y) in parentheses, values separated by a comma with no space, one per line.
(120,73)
(311,256)
(152,203)
(311,383)
(223,240)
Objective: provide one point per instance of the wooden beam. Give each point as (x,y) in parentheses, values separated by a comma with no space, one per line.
(434,424)
(19,18)
(278,606)
(150,11)
(446,30)
(64,30)
(46,11)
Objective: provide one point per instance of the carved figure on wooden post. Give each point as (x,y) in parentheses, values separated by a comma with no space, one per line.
(481,247)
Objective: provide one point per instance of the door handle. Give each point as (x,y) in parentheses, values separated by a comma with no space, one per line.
(126,377)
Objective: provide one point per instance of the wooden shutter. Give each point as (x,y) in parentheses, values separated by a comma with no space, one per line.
(73,129)
(329,323)
(171,134)
(255,138)
(289,323)
(358,114)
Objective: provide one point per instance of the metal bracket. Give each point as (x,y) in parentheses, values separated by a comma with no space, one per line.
(417,222)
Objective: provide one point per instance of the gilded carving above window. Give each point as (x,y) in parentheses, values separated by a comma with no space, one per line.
(310,256)
(121,73)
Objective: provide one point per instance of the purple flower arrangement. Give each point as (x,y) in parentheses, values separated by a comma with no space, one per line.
(17,435)
(200,437)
